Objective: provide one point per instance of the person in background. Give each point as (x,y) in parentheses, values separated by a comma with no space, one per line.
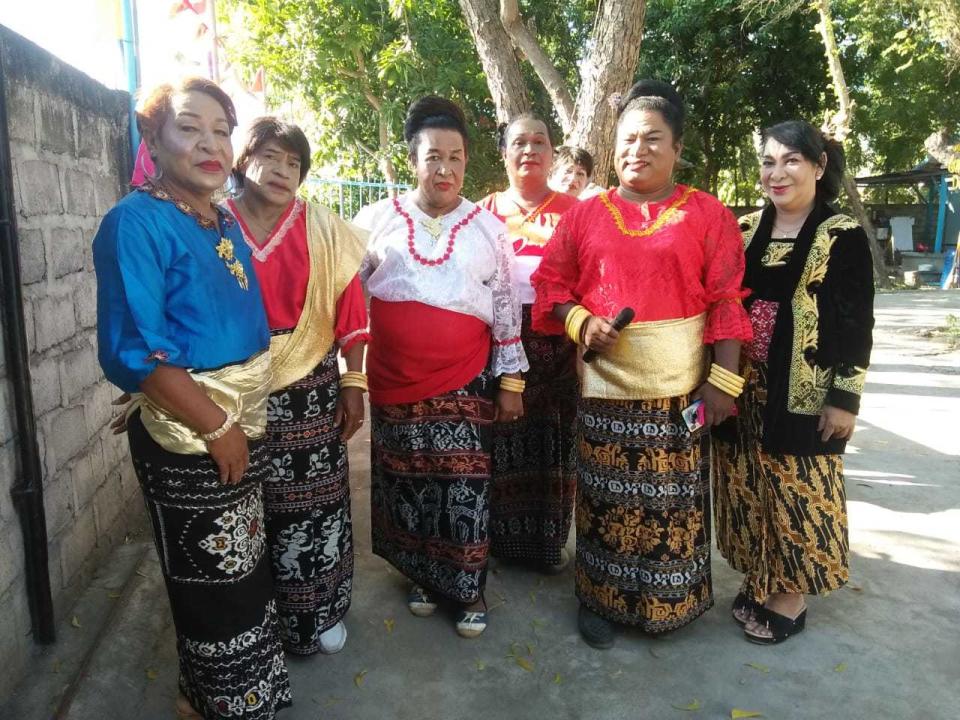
(572,170)
(306,259)
(674,255)
(780,505)
(534,460)
(181,326)
(444,326)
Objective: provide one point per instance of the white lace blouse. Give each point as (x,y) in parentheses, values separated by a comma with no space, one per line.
(475,280)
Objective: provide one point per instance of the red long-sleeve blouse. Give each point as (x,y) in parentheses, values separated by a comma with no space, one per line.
(672,259)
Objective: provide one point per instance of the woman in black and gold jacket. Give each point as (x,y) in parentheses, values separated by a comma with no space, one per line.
(779,496)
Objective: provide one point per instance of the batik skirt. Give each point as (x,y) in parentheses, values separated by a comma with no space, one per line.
(212,547)
(430,488)
(781,519)
(534,458)
(643,513)
(307,508)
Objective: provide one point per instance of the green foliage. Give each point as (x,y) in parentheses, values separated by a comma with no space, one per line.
(737,73)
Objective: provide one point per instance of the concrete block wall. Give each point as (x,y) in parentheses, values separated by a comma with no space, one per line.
(69,139)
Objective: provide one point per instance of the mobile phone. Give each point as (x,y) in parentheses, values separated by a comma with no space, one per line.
(693,415)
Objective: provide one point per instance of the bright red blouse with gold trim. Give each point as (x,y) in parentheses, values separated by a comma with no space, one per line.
(672,259)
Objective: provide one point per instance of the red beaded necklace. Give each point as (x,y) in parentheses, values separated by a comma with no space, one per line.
(450,241)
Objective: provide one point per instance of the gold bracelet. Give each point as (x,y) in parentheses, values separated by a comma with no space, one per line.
(220,431)
(727,389)
(354,379)
(724,373)
(575,321)
(512,384)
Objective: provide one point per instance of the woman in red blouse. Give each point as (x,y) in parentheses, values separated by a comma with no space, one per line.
(534,465)
(675,256)
(306,260)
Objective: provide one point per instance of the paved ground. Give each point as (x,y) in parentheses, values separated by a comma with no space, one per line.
(885,647)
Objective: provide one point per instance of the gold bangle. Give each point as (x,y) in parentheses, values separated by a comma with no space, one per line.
(512,384)
(731,391)
(738,384)
(220,431)
(723,372)
(350,383)
(575,321)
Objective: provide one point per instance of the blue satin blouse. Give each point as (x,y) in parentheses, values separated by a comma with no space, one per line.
(164,295)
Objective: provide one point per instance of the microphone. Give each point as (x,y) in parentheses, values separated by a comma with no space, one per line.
(622,319)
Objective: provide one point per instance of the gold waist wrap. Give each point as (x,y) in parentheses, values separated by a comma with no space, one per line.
(658,359)
(241,390)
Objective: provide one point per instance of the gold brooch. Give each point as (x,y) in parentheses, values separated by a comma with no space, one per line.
(225,251)
(434,226)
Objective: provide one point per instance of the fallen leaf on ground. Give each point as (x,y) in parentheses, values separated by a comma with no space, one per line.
(855,588)
(358,678)
(689,707)
(529,649)
(388,624)
(533,598)
(557,679)
(758,666)
(840,668)
(525,664)
(75,621)
(113,595)
(617,674)
(141,573)
(56,666)
(481,665)
(738,713)
(152,674)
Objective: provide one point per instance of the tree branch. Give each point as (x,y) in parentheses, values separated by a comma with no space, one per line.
(551,78)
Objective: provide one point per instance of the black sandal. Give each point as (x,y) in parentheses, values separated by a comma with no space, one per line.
(743,603)
(779,625)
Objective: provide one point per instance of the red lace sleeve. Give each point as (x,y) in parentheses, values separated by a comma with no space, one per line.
(351,324)
(556,277)
(723,280)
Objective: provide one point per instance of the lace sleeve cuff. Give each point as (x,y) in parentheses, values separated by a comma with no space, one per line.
(727,320)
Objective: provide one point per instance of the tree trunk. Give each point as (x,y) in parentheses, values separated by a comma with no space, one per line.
(544,67)
(497,57)
(608,68)
(839,125)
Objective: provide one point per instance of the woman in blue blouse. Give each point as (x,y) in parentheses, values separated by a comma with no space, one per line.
(181,327)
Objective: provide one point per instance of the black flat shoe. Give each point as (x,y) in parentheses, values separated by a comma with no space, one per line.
(742,603)
(780,626)
(596,631)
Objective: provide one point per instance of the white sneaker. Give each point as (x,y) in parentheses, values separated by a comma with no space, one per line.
(333,639)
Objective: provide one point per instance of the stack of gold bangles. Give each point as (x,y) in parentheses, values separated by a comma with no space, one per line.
(729,382)
(512,384)
(354,379)
(576,319)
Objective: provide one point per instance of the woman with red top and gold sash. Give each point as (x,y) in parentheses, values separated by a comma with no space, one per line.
(306,259)
(675,256)
(534,459)
(444,323)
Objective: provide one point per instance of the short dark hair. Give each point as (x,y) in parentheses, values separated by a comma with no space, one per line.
(812,143)
(432,111)
(264,129)
(503,129)
(659,96)
(571,155)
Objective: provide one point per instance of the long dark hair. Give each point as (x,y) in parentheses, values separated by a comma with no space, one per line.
(804,138)
(432,111)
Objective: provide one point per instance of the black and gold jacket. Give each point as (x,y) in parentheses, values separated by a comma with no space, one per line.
(821,342)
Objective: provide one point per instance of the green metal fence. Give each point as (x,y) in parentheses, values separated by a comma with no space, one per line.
(346,197)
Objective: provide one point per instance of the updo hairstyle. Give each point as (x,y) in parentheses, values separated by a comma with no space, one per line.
(656,95)
(432,111)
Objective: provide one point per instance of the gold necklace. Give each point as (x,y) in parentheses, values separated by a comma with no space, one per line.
(662,220)
(434,226)
(537,211)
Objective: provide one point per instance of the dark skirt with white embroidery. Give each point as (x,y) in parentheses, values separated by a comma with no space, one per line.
(211,542)
(307,506)
(430,488)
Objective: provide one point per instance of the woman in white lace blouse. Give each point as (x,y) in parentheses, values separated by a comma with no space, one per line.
(444,322)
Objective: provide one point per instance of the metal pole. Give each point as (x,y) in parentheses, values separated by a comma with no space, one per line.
(941,215)
(27,491)
(131,63)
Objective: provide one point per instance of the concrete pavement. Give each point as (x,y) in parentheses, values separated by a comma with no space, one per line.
(885,647)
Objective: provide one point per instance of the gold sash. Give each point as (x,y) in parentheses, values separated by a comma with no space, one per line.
(336,249)
(658,359)
(241,390)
